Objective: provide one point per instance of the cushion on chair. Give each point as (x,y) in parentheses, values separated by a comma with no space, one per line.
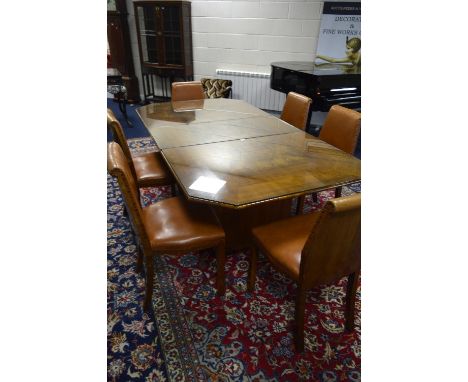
(117,89)
(216,87)
(175,224)
(151,171)
(283,241)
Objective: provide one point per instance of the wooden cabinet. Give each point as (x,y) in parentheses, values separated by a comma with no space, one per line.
(118,38)
(165,44)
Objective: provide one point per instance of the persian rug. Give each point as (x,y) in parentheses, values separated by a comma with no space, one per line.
(194,335)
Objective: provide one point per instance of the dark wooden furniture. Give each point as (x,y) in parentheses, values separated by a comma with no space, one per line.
(325,84)
(263,161)
(165,44)
(314,249)
(116,86)
(118,38)
(170,226)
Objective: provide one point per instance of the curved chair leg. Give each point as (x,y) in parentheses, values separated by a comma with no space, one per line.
(300,204)
(300,312)
(139,267)
(252,269)
(338,191)
(220,261)
(149,282)
(353,279)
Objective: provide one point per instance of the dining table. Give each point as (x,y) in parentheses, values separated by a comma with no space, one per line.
(245,163)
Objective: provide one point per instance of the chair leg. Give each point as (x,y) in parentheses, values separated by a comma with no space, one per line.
(353,279)
(300,312)
(315,197)
(338,192)
(252,269)
(139,267)
(149,282)
(220,261)
(300,204)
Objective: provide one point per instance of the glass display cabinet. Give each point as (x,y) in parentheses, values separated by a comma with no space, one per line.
(120,55)
(165,44)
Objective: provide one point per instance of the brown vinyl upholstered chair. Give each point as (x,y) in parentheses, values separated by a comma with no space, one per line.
(186,91)
(148,169)
(296,110)
(314,249)
(170,226)
(340,129)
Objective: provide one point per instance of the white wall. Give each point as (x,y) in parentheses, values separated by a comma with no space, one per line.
(249,35)
(246,35)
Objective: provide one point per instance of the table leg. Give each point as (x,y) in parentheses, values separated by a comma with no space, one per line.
(237,223)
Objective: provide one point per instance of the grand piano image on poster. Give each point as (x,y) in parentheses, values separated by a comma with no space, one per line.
(326,84)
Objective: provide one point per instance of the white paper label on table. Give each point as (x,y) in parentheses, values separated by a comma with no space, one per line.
(205,184)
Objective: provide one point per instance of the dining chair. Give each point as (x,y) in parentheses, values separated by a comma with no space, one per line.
(186,91)
(216,88)
(148,169)
(314,249)
(169,226)
(296,110)
(340,129)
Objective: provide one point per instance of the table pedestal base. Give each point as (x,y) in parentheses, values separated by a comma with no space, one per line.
(237,223)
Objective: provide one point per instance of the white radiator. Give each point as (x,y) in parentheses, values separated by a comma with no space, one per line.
(253,88)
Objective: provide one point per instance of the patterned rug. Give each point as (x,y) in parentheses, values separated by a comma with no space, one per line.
(195,335)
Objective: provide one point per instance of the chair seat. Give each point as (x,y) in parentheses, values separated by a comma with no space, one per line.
(173,224)
(151,171)
(282,241)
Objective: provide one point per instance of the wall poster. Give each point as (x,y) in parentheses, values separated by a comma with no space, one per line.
(340,35)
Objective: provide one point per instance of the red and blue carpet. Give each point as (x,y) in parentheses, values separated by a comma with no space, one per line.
(197,336)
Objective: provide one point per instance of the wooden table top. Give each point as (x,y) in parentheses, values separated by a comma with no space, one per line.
(187,123)
(230,153)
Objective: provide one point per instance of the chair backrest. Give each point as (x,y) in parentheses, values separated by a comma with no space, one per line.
(119,137)
(216,87)
(186,91)
(118,167)
(296,110)
(332,250)
(341,128)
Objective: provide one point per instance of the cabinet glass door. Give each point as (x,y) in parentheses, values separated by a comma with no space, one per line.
(147,27)
(171,19)
(172,38)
